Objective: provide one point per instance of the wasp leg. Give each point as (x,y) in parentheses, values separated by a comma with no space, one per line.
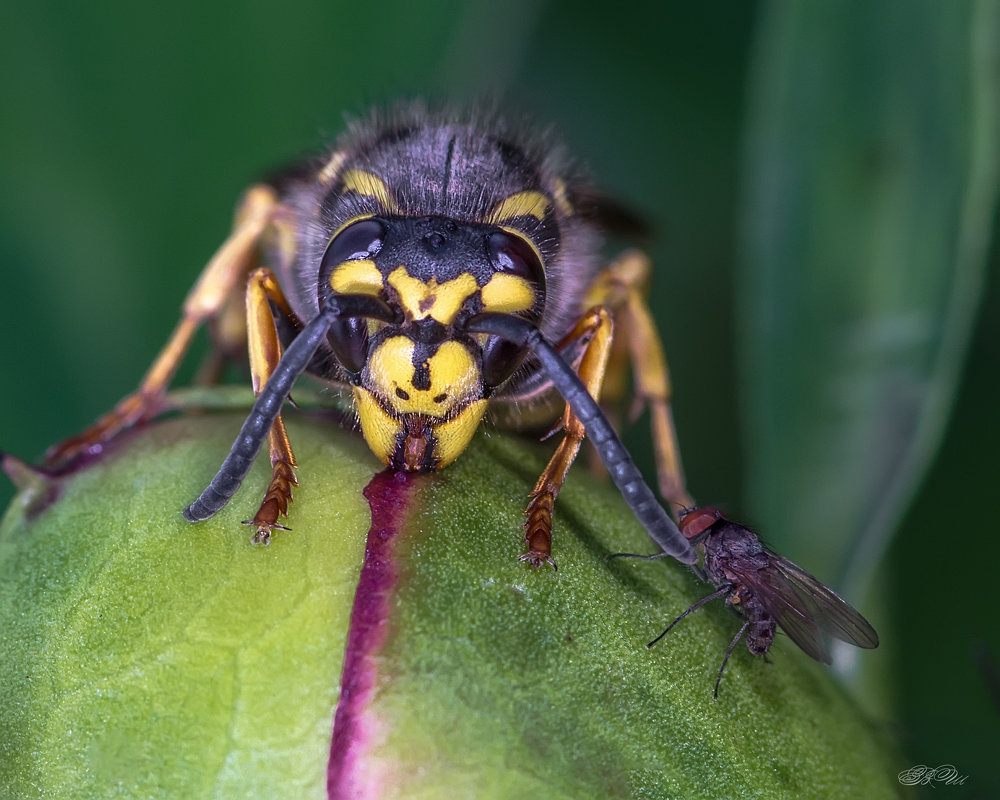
(621,287)
(597,327)
(265,353)
(217,282)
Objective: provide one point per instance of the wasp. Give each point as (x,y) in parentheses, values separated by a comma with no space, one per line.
(438,266)
(769,591)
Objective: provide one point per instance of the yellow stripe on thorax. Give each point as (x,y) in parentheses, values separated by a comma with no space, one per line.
(562,198)
(368,184)
(332,167)
(521,204)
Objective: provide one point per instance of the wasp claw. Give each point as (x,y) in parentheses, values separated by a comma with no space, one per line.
(262,536)
(536,559)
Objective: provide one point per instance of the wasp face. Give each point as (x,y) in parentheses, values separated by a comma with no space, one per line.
(421,385)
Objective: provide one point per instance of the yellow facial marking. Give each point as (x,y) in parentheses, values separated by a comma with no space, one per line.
(390,367)
(332,167)
(380,429)
(368,185)
(454,435)
(356,277)
(528,203)
(441,301)
(452,405)
(453,378)
(507,294)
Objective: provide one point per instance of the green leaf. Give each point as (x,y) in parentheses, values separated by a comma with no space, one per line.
(143,656)
(871,184)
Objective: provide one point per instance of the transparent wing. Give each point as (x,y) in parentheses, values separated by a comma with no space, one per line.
(805,608)
(834,615)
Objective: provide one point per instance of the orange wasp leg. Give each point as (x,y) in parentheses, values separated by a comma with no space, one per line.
(217,282)
(597,325)
(622,287)
(265,352)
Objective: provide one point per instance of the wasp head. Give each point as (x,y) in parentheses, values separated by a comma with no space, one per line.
(421,384)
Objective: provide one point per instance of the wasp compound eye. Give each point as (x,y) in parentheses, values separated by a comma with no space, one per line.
(518,265)
(514,256)
(347,266)
(348,269)
(358,241)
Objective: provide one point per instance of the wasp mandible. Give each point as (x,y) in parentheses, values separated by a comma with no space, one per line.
(437,265)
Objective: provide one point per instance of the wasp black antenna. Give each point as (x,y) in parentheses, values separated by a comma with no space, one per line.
(622,469)
(269,402)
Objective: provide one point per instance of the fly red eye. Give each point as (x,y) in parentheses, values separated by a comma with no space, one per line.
(512,255)
(695,521)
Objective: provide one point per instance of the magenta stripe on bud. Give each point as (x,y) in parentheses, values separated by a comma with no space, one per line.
(354,727)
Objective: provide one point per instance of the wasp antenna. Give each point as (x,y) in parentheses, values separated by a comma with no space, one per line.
(257,425)
(623,471)
(269,402)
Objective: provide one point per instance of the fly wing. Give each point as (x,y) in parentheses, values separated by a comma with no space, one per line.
(783,602)
(806,609)
(834,615)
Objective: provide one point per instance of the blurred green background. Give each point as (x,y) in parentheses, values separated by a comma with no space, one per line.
(821,179)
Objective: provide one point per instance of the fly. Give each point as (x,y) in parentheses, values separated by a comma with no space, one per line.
(768,590)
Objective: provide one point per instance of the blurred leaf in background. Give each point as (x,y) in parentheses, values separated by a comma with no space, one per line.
(871,188)
(868,224)
(129,132)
